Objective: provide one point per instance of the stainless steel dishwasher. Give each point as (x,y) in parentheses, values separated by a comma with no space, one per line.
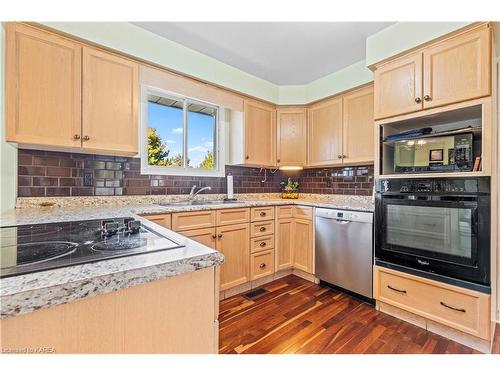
(344,249)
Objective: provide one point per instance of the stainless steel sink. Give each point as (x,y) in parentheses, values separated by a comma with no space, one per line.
(195,203)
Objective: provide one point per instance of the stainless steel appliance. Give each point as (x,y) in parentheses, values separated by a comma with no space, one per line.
(39,247)
(344,249)
(438,228)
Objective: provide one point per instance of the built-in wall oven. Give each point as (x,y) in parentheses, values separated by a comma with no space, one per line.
(438,228)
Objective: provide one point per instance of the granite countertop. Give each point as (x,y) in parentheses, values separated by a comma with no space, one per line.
(30,292)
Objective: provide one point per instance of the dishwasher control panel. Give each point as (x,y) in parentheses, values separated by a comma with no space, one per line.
(358,216)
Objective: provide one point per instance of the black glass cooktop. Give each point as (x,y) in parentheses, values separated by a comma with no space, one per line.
(39,247)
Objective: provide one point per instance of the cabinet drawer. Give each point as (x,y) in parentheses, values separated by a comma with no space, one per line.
(261,264)
(284,212)
(262,213)
(459,308)
(302,212)
(165,220)
(262,243)
(233,216)
(263,228)
(193,220)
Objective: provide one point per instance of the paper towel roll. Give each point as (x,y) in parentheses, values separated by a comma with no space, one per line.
(230,192)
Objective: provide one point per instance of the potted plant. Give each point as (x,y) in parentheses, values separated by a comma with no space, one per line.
(290,189)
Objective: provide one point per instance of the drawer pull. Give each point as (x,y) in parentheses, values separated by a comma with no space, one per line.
(262,229)
(262,213)
(262,265)
(451,307)
(396,289)
(219,235)
(262,244)
(214,236)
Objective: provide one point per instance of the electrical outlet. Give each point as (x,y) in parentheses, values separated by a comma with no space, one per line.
(88,179)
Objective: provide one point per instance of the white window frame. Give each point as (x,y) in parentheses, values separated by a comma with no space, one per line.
(219,153)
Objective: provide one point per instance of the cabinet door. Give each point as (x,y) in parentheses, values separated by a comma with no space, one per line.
(398,86)
(260,134)
(205,236)
(303,245)
(325,133)
(110,103)
(284,240)
(234,242)
(458,69)
(43,88)
(358,127)
(291,137)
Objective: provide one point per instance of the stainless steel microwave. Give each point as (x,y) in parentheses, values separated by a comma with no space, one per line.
(440,153)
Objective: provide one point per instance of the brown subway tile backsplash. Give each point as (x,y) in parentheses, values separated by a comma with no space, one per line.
(47,173)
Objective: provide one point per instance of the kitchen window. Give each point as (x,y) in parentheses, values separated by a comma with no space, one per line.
(180,135)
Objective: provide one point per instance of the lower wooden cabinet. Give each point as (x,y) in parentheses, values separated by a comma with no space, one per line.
(294,239)
(205,236)
(302,239)
(233,242)
(251,249)
(459,308)
(284,252)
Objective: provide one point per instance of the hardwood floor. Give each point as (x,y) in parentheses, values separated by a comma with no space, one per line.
(297,316)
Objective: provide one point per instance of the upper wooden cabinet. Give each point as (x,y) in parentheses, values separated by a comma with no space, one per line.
(458,69)
(398,86)
(43,88)
(291,137)
(340,130)
(63,94)
(324,133)
(358,126)
(450,71)
(110,102)
(260,134)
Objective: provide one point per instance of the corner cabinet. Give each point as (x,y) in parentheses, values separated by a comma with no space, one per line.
(294,238)
(260,134)
(358,126)
(324,133)
(65,95)
(43,88)
(340,130)
(291,137)
(453,70)
(109,102)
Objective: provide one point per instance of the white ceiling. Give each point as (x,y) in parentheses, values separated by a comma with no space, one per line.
(285,53)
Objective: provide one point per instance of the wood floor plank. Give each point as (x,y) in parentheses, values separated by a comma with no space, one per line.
(297,316)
